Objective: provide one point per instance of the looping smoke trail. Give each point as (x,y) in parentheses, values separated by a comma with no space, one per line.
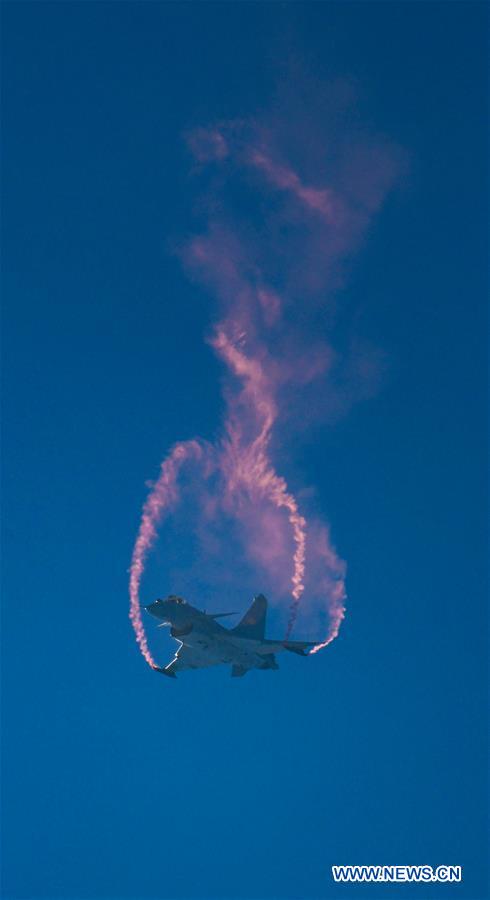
(162,496)
(276,236)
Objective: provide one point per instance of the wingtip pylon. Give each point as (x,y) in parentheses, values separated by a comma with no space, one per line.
(164,671)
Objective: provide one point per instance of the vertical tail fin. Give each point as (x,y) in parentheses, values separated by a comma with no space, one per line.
(253,623)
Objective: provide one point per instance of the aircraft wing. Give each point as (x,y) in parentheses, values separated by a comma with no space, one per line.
(187,657)
(300,647)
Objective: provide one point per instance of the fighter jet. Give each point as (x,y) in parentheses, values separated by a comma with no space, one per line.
(204,642)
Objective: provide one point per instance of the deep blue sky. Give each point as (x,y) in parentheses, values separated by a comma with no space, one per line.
(119,784)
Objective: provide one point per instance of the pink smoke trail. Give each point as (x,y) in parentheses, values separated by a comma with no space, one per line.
(284,178)
(162,496)
(248,467)
(336,609)
(273,275)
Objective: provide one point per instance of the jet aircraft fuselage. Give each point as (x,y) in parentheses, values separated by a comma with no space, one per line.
(205,642)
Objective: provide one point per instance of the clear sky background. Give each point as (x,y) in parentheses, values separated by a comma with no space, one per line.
(116,783)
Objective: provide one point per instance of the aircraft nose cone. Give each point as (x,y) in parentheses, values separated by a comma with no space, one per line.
(157,609)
